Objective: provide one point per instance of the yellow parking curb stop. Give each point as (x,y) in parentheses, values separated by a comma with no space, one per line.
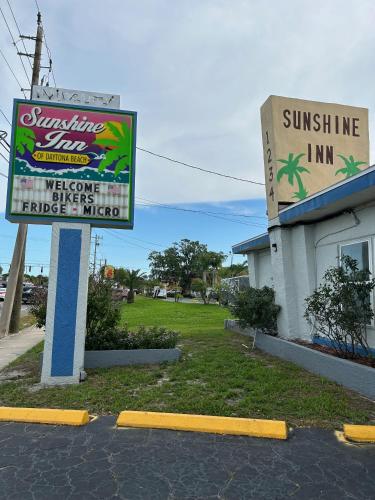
(275,429)
(360,433)
(44,416)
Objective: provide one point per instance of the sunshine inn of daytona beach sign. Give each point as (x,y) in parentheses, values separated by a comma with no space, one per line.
(71,163)
(309,146)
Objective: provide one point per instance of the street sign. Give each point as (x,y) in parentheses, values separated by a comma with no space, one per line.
(76,97)
(71,164)
(109,272)
(308,146)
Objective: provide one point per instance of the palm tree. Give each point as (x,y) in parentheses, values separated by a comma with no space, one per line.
(351,166)
(121,152)
(293,170)
(25,138)
(133,278)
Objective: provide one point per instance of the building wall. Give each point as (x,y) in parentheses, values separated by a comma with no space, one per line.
(302,254)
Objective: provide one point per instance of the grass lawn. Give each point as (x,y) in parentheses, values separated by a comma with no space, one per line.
(218,375)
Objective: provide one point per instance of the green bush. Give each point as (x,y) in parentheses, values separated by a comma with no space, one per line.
(145,338)
(103,317)
(39,306)
(340,309)
(256,308)
(103,314)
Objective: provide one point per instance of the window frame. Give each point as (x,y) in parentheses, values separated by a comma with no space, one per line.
(370,265)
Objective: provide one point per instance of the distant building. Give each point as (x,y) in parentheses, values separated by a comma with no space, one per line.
(308,237)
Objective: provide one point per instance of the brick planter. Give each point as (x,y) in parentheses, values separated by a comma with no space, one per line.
(351,375)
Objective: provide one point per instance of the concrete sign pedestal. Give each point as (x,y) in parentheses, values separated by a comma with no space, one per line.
(64,346)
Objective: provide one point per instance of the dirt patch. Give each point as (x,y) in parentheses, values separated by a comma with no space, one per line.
(7,376)
(329,350)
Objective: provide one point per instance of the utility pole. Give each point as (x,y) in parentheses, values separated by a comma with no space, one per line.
(96,244)
(11,312)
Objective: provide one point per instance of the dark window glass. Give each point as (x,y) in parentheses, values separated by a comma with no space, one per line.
(359,252)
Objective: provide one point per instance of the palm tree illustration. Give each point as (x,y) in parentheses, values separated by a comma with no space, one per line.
(351,166)
(121,147)
(292,170)
(25,139)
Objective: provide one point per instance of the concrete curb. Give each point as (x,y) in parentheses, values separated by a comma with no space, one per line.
(274,429)
(122,357)
(360,433)
(352,375)
(44,416)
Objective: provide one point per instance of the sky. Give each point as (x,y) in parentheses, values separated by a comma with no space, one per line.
(197,72)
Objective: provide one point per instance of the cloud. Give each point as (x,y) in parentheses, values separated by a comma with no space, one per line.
(197,72)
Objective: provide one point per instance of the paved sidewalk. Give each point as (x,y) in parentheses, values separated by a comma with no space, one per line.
(99,461)
(13,346)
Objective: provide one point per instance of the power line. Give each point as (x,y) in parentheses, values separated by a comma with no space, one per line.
(15,45)
(199,168)
(5,116)
(19,31)
(129,242)
(10,69)
(203,212)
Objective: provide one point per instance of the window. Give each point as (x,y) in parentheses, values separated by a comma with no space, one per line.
(358,251)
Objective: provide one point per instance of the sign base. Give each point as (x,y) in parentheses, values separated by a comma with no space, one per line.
(64,346)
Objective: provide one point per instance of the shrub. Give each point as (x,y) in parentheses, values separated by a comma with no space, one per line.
(256,308)
(102,313)
(39,306)
(151,338)
(340,309)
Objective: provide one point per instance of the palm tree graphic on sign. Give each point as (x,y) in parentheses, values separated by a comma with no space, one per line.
(119,146)
(351,166)
(25,139)
(293,170)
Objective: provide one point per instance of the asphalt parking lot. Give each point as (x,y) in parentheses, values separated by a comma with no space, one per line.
(102,462)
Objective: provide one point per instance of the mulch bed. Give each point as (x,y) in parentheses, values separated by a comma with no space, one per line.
(329,350)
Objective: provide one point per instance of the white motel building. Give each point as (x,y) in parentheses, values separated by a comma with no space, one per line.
(308,237)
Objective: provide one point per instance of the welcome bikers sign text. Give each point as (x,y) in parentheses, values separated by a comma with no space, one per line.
(71,163)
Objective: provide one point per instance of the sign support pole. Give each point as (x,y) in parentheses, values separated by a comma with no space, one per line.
(64,347)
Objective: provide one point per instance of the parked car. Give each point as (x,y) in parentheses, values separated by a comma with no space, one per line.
(119,293)
(3,291)
(27,294)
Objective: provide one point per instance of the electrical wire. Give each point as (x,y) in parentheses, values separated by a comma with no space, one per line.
(234,214)
(10,69)
(15,45)
(19,32)
(127,241)
(5,116)
(199,168)
(208,214)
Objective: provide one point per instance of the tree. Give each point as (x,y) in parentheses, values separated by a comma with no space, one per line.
(1,271)
(292,170)
(351,166)
(182,262)
(120,275)
(133,279)
(340,309)
(200,286)
(234,270)
(119,149)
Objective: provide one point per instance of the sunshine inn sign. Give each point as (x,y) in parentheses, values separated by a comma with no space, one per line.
(71,164)
(308,146)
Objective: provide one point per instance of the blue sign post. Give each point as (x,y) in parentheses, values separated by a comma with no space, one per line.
(63,359)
